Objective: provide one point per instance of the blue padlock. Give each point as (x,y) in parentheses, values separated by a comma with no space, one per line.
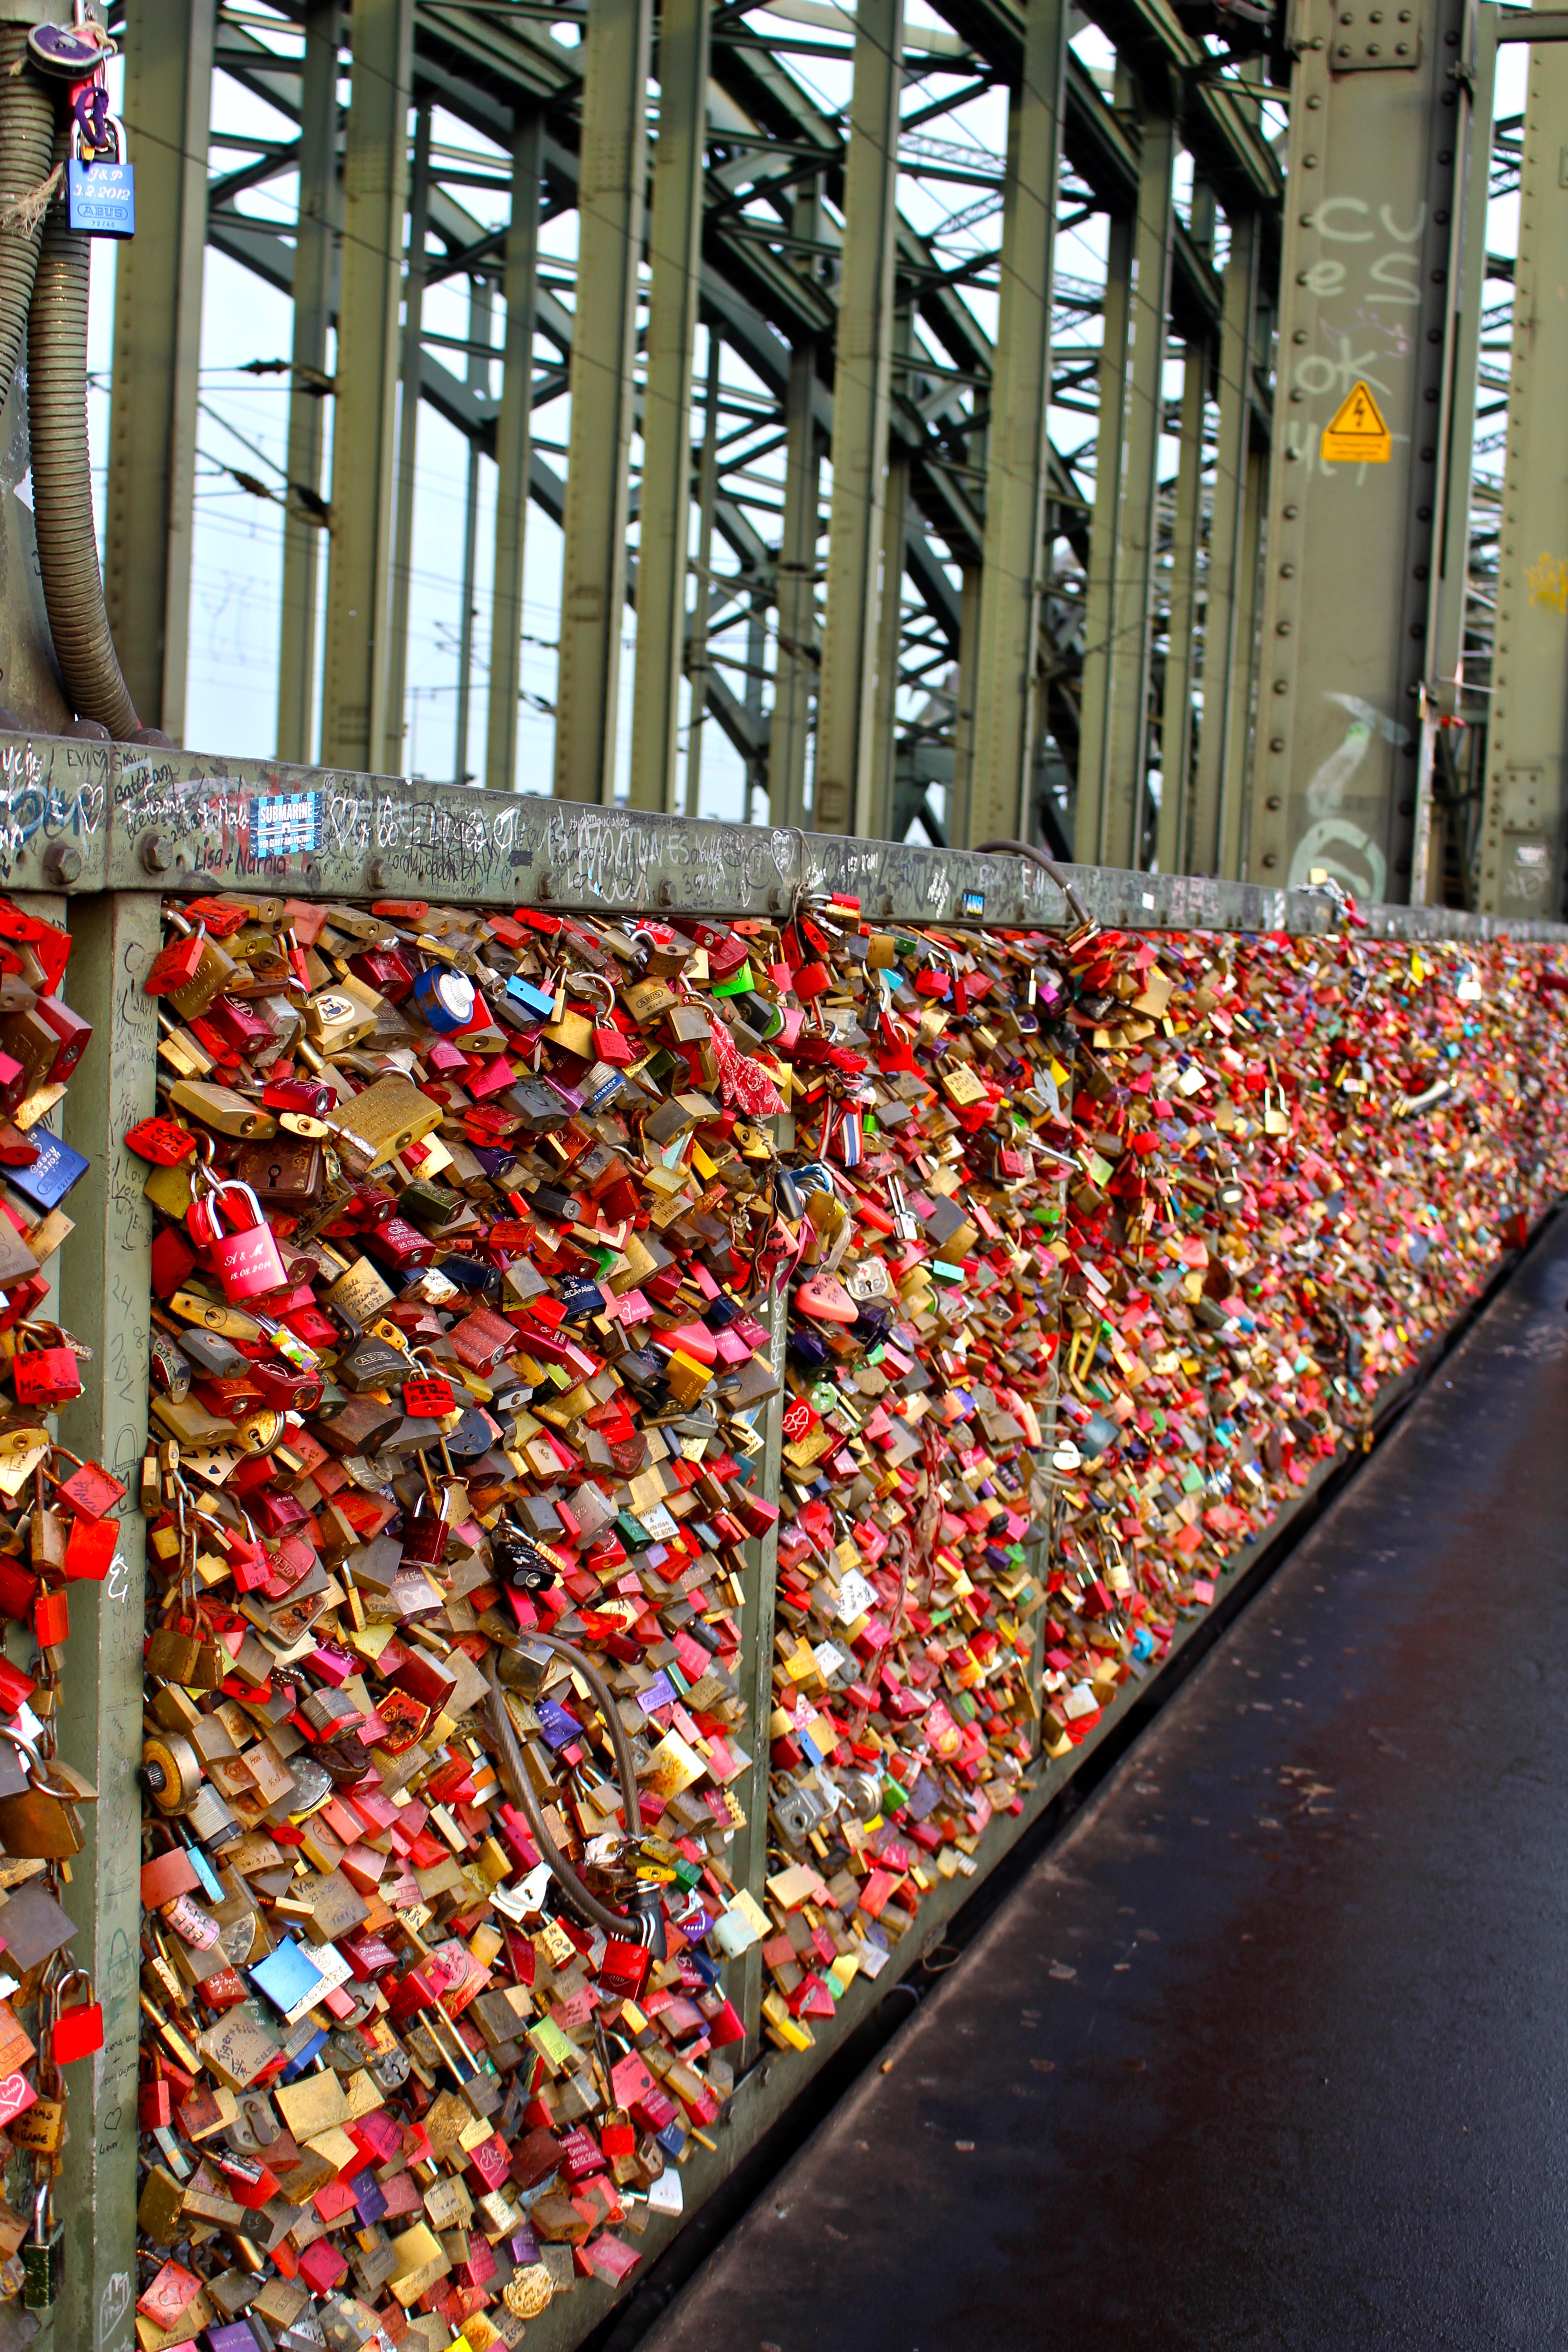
(445,998)
(51,1175)
(539,1001)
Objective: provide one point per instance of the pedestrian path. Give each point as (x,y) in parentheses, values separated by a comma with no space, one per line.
(1271,2049)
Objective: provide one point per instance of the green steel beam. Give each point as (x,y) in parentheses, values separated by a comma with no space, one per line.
(1447,592)
(694,658)
(795,674)
(1246,685)
(408,440)
(889,630)
(862,394)
(1001,774)
(613,173)
(1127,650)
(1222,737)
(664,510)
(514,451)
(151,498)
(1176,714)
(1090,812)
(314,301)
(355,711)
(105,1303)
(1377,174)
(1526,803)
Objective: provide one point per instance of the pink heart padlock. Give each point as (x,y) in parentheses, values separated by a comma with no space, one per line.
(248,1260)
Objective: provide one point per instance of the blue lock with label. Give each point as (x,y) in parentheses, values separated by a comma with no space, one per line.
(101,198)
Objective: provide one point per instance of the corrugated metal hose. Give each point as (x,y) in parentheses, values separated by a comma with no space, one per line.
(26,153)
(62,480)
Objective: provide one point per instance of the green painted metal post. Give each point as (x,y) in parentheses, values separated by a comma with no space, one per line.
(862,393)
(105,1302)
(1521,849)
(1224,671)
(354,712)
(664,512)
(794,677)
(150,508)
(1176,715)
(408,439)
(514,453)
(315,273)
(1099,614)
(1351,536)
(1005,704)
(611,205)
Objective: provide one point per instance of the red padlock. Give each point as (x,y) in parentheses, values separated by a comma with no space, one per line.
(162,1140)
(248,1260)
(90,1549)
(75,2032)
(175,966)
(45,1375)
(90,1492)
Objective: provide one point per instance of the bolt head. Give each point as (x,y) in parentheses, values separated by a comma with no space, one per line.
(157,852)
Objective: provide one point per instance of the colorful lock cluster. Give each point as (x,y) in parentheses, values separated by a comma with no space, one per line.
(662,1433)
(58,1529)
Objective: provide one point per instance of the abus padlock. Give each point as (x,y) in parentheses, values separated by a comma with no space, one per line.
(248,1260)
(44,2255)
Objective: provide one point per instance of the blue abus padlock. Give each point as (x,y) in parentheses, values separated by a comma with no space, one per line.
(101,185)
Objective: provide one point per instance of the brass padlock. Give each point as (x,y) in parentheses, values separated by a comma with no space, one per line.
(41,1824)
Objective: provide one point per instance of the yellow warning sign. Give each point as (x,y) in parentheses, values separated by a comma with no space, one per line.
(1357,434)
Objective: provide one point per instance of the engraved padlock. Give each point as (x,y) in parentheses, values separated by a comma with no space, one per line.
(248,1260)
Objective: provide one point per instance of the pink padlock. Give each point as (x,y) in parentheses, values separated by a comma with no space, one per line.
(248,1260)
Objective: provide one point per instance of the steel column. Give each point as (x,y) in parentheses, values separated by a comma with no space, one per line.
(514,454)
(106,1301)
(354,712)
(1448,589)
(1102,571)
(151,498)
(1001,777)
(1224,700)
(1176,729)
(314,272)
(795,674)
(664,512)
(1522,848)
(479,382)
(1123,650)
(696,645)
(890,622)
(409,373)
(960,826)
(611,206)
(862,390)
(1363,299)
(1236,802)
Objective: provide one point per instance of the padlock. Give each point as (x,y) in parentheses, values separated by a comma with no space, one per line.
(77,2031)
(42,1822)
(283,1174)
(46,1375)
(247,1258)
(44,2254)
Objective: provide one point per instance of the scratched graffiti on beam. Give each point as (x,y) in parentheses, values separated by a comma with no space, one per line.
(34,800)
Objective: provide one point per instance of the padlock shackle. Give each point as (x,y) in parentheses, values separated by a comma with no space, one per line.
(624,1925)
